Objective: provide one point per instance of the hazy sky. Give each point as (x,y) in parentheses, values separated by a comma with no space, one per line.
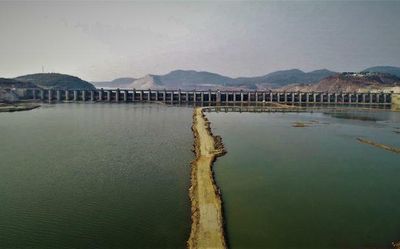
(105,40)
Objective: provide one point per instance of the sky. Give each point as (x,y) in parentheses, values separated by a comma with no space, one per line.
(105,40)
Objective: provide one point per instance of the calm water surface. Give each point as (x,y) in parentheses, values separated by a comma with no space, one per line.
(116,176)
(95,176)
(312,187)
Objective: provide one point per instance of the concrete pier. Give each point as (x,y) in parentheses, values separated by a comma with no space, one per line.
(125,95)
(58,95)
(108,92)
(117,95)
(141,95)
(101,93)
(218,97)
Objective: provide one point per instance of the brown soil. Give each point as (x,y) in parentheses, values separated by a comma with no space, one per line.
(207,222)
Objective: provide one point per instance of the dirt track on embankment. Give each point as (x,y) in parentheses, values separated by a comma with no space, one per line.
(207,221)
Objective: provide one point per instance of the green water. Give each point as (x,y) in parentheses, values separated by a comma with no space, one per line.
(117,176)
(95,176)
(312,187)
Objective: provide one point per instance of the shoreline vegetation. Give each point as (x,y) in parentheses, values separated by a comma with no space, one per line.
(16,107)
(207,229)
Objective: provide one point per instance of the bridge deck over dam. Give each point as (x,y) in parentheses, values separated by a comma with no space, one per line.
(214,97)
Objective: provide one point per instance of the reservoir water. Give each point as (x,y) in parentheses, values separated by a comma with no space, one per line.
(95,176)
(117,176)
(310,187)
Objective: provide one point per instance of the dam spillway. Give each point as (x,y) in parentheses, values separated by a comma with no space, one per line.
(209,97)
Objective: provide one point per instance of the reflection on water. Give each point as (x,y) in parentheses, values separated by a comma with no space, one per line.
(95,176)
(356,116)
(365,114)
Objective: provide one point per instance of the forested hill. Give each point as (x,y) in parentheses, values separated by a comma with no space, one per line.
(56,81)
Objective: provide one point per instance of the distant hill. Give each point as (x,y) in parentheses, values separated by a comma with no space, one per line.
(183,79)
(349,82)
(384,69)
(117,83)
(148,82)
(12,90)
(370,78)
(126,80)
(286,77)
(56,81)
(190,79)
(12,83)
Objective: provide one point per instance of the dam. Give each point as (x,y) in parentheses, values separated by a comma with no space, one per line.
(210,97)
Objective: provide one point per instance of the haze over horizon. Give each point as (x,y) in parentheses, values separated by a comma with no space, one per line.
(105,40)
